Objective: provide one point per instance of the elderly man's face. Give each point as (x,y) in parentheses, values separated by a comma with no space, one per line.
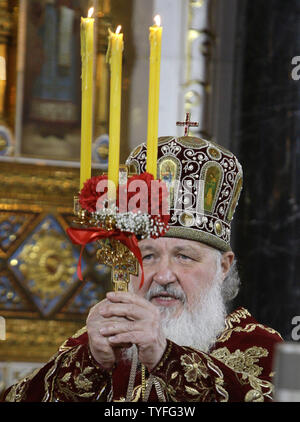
(189,267)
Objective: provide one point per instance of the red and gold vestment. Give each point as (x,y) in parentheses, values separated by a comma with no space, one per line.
(238,368)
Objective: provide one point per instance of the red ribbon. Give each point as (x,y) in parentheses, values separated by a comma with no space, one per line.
(84,236)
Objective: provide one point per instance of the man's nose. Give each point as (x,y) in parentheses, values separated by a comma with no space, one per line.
(165,273)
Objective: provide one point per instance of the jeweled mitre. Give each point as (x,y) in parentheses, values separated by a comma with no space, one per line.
(204,181)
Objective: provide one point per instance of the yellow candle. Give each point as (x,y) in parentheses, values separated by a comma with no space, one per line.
(155,33)
(114,57)
(87,59)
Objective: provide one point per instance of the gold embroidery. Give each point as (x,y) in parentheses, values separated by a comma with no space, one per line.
(66,377)
(75,384)
(226,334)
(219,380)
(192,382)
(78,383)
(69,357)
(244,363)
(17,391)
(197,392)
(48,396)
(193,367)
(271,374)
(236,317)
(169,389)
(254,396)
(82,382)
(191,391)
(79,332)
(174,375)
(12,395)
(136,394)
(165,356)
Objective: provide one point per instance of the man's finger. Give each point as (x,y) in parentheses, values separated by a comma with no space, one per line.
(133,336)
(121,327)
(126,310)
(128,297)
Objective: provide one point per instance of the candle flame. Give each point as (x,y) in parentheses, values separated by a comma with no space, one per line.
(157,20)
(90,12)
(118,29)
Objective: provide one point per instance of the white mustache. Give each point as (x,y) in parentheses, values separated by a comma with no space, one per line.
(169,289)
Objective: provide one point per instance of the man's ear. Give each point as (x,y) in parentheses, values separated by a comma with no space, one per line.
(226,262)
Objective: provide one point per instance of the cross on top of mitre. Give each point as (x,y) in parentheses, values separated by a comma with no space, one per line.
(187,124)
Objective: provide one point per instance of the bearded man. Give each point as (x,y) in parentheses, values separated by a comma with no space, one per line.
(171,339)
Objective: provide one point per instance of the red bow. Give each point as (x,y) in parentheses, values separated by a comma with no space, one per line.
(84,236)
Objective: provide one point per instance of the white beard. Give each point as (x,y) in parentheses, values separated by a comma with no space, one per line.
(200,326)
(197,327)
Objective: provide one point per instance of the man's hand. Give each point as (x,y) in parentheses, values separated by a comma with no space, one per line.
(132,319)
(101,349)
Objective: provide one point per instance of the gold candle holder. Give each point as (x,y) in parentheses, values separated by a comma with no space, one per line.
(111,252)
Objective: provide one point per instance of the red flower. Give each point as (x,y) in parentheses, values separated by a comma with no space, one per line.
(152,197)
(88,195)
(138,192)
(142,193)
(145,194)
